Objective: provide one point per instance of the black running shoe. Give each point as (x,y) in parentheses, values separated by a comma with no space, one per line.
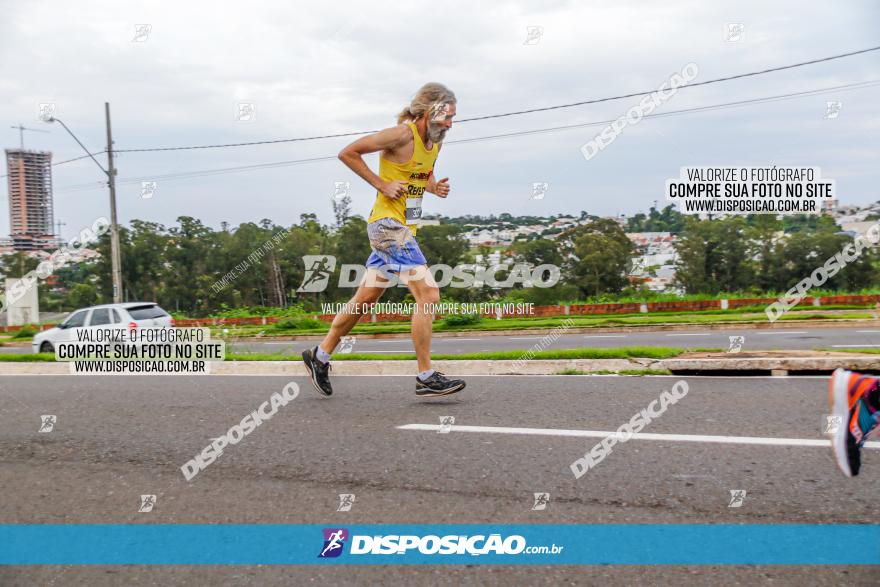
(318,371)
(437,385)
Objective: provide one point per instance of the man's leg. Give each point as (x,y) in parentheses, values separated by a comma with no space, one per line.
(370,290)
(426,293)
(317,360)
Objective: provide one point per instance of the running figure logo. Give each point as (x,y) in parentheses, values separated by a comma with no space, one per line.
(147,503)
(735,32)
(346,500)
(245,112)
(319,268)
(832,424)
(737,497)
(539,189)
(46,111)
(533,35)
(148,188)
(832,109)
(439,112)
(340,189)
(142,32)
(334,540)
(736,344)
(541,501)
(446,423)
(47,423)
(346,344)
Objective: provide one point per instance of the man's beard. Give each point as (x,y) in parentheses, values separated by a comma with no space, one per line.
(436,133)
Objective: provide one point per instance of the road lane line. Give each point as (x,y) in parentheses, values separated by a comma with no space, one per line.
(855,346)
(785,332)
(692,334)
(869,331)
(636,436)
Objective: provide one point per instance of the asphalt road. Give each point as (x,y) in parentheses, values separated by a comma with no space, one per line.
(854,338)
(119,437)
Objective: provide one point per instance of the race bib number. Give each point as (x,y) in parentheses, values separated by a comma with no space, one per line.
(413,208)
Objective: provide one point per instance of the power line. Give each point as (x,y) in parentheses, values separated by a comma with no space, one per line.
(689,85)
(694,109)
(517,113)
(80,157)
(70,160)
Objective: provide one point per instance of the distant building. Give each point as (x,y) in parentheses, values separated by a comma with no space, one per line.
(31,219)
(653,263)
(858,228)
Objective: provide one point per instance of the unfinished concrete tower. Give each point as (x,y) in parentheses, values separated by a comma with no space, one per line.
(31,219)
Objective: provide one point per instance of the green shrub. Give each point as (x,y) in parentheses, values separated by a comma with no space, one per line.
(26,331)
(225,311)
(454,320)
(299,323)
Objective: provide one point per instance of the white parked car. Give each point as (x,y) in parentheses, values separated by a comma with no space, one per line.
(122,316)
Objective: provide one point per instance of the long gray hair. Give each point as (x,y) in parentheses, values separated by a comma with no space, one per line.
(427,97)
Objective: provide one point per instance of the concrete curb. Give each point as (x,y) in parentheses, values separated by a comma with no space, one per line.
(706,365)
(776,365)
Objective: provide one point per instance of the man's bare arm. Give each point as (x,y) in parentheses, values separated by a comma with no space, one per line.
(384,140)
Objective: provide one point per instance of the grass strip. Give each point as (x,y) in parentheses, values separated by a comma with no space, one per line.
(859,351)
(577,321)
(640,352)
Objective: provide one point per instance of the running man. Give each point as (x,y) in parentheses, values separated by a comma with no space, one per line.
(855,406)
(408,152)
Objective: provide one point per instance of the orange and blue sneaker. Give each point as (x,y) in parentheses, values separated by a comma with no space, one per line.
(855,409)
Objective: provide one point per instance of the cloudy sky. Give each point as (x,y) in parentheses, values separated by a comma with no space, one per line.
(314,69)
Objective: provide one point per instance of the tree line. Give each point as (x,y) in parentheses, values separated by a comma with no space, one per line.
(180,266)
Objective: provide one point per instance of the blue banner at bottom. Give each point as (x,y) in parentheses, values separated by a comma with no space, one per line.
(490,544)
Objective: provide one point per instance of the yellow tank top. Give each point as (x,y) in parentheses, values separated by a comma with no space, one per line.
(416,172)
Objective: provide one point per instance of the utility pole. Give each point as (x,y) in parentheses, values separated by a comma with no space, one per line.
(115,257)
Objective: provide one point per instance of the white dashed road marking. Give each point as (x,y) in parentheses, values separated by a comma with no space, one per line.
(855,346)
(784,332)
(809,442)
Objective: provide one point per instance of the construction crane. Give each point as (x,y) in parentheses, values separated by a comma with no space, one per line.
(21,130)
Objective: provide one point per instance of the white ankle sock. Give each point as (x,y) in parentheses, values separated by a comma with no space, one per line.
(424,375)
(323,355)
